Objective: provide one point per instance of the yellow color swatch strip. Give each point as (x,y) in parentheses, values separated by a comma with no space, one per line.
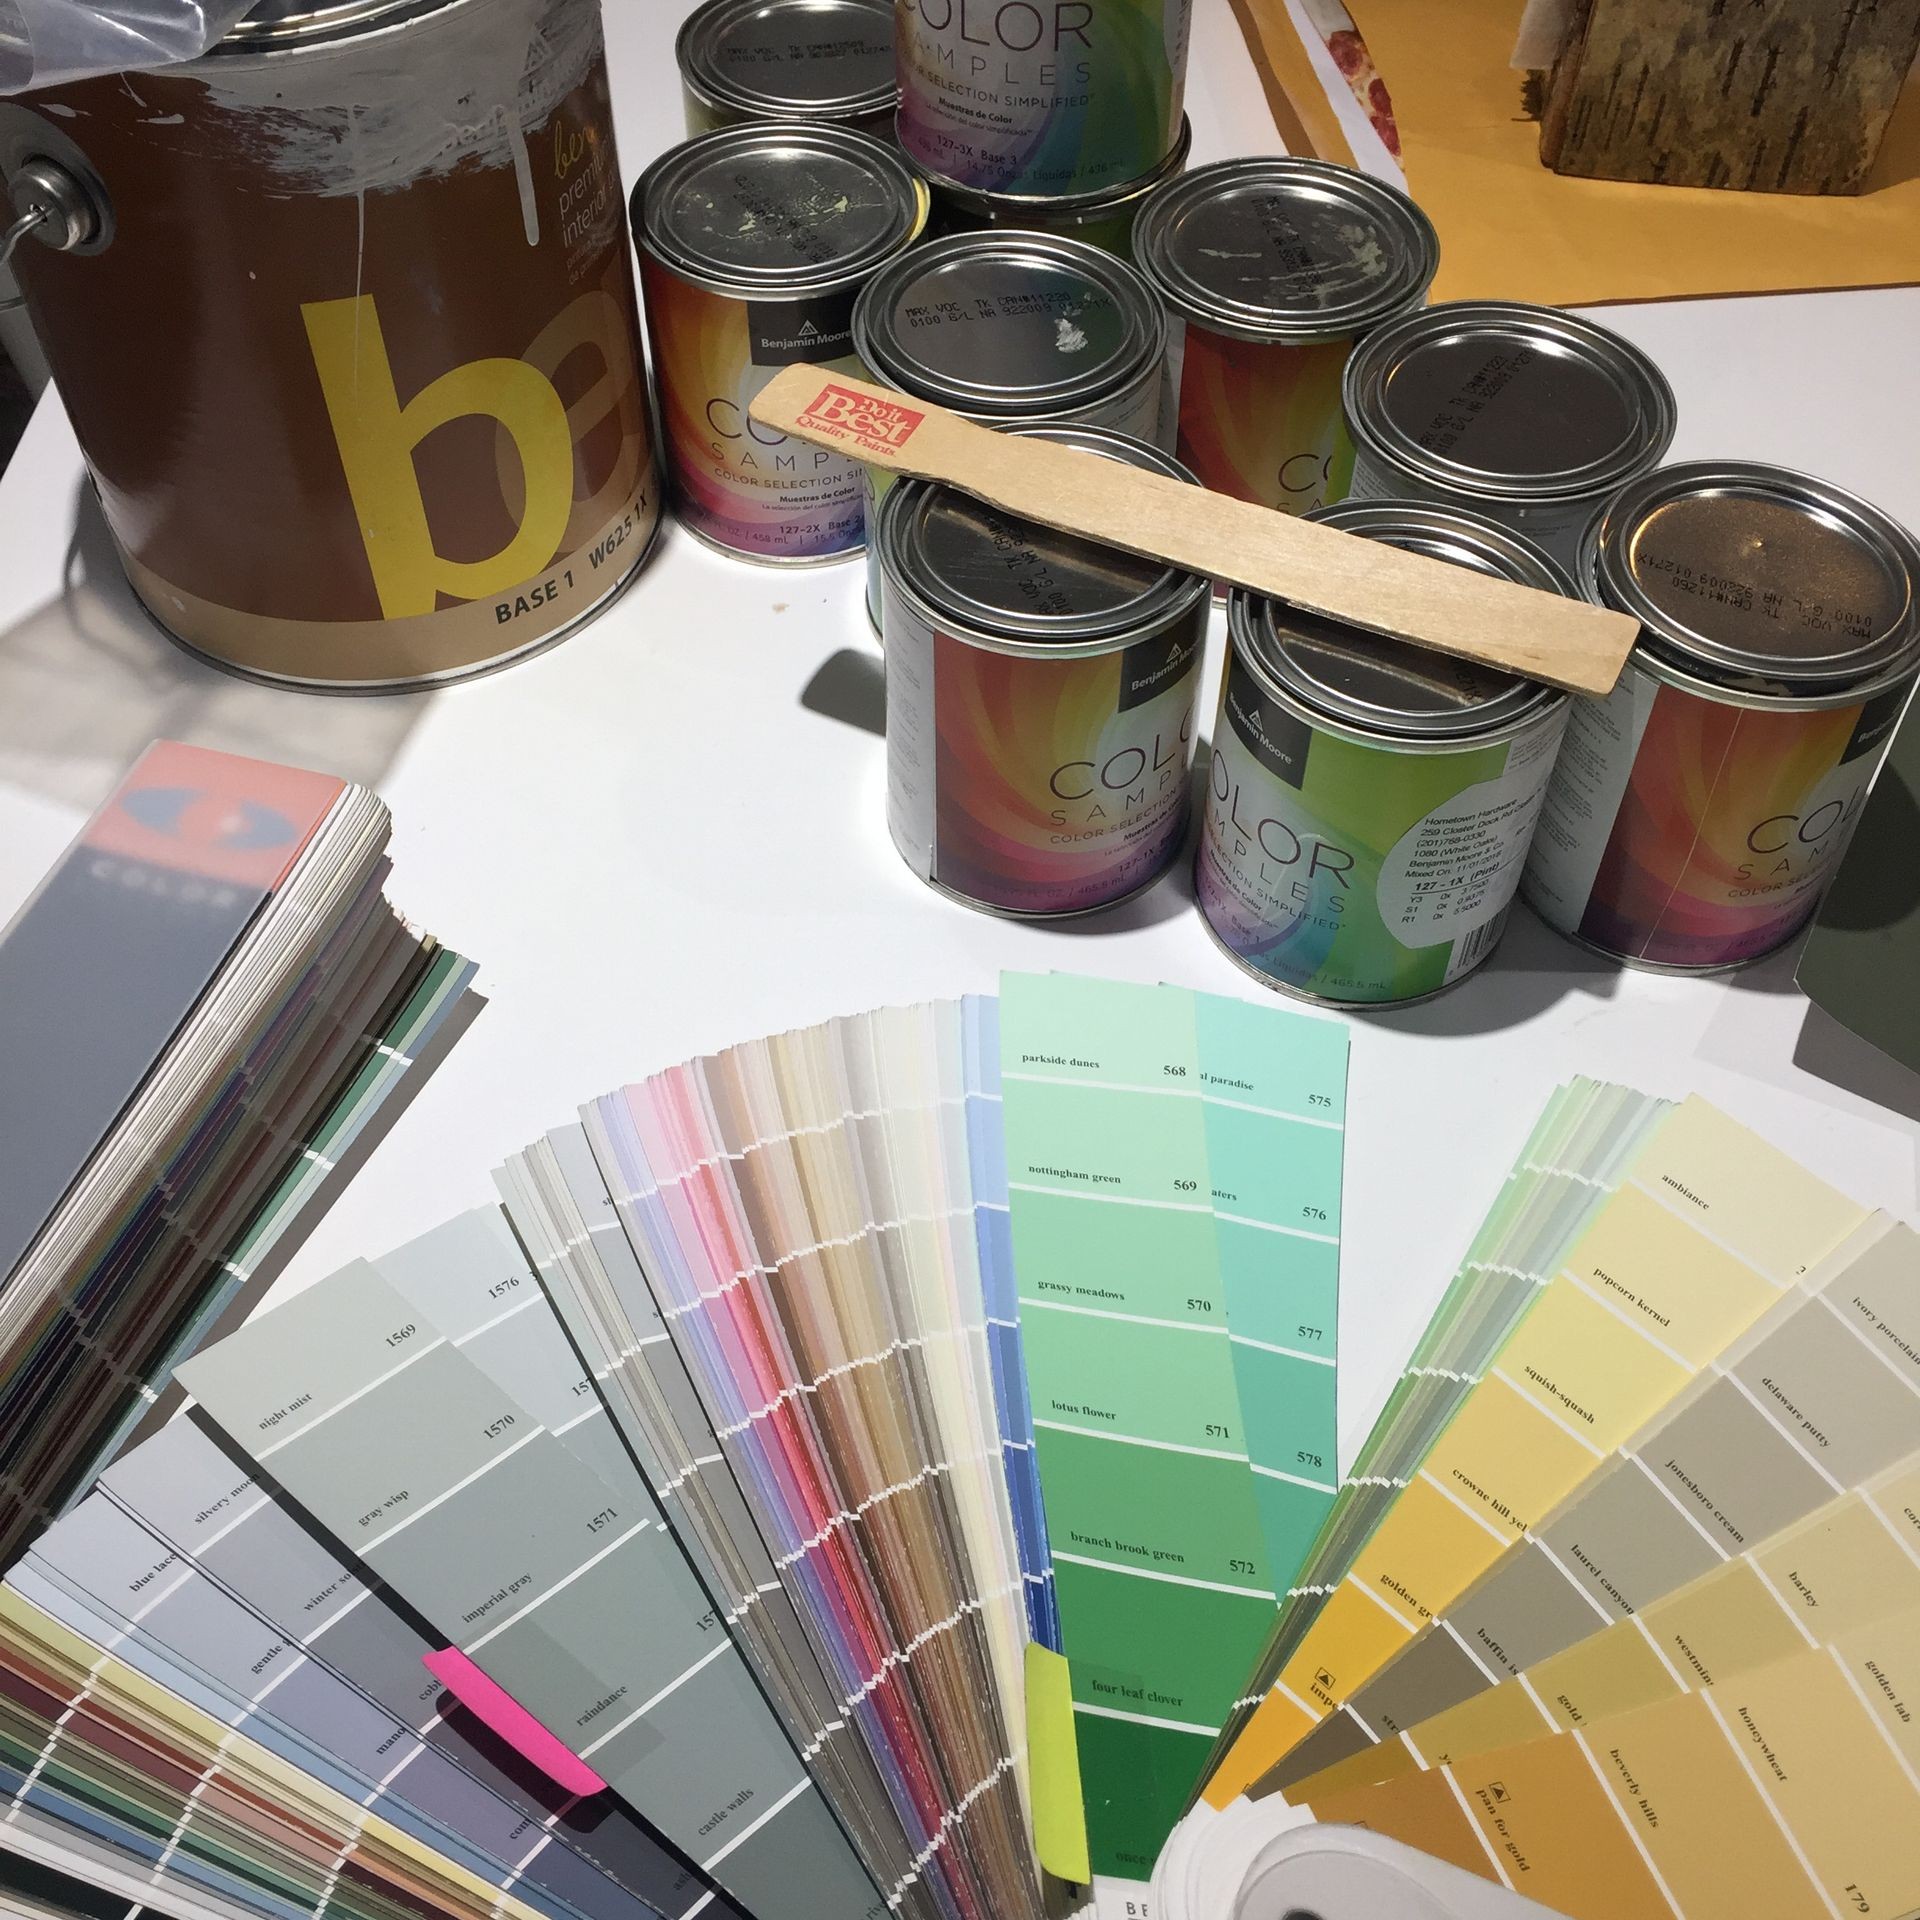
(1710,1227)
(1783,1793)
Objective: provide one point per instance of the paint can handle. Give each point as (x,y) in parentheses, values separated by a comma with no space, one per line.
(57,206)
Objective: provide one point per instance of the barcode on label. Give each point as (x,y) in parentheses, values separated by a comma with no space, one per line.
(1476,944)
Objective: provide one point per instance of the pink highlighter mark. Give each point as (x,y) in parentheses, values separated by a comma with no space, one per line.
(491,1702)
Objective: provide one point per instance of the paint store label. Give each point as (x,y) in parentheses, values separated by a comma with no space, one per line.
(1354,871)
(1455,871)
(1695,833)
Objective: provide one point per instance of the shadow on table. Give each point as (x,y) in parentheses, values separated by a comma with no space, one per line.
(1836,1054)
(850,686)
(89,679)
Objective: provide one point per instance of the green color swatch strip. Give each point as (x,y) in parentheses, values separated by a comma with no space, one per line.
(1174,1167)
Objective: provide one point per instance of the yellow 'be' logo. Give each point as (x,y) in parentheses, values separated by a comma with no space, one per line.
(377,434)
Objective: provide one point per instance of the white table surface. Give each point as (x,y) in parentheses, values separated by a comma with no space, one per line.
(654,848)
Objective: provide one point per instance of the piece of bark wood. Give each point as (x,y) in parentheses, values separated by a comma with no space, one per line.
(1766,96)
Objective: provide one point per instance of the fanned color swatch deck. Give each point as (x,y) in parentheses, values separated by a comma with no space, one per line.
(890,1467)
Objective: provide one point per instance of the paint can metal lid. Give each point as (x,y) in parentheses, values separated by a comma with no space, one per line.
(1385,688)
(274,25)
(783,59)
(777,210)
(1018,587)
(1740,572)
(1009,323)
(1503,401)
(1285,250)
(1049,210)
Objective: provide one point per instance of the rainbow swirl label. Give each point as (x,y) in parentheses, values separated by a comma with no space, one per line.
(1035,785)
(1041,97)
(1361,872)
(736,483)
(1697,833)
(1262,422)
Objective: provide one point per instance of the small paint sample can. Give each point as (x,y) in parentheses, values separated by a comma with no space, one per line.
(1040,699)
(1370,803)
(1045,98)
(1531,416)
(828,62)
(1015,329)
(1698,813)
(353,351)
(1274,270)
(1104,218)
(754,243)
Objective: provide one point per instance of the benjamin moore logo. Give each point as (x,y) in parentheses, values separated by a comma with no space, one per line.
(857,416)
(1497,1792)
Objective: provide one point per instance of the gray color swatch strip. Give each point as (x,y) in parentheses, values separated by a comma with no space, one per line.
(374,1421)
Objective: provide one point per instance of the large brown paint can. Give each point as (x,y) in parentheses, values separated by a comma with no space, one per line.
(354,359)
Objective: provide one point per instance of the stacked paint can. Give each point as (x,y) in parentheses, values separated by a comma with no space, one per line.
(1369,803)
(1697,815)
(1051,115)
(1016,329)
(1104,218)
(1273,271)
(382,418)
(1040,699)
(828,62)
(754,244)
(1527,414)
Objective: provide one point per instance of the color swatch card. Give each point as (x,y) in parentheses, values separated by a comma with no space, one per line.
(810,1238)
(1820,1394)
(1568,1167)
(1789,1790)
(575,1605)
(105,1577)
(173,1806)
(202,1008)
(1708,1229)
(1164,1203)
(243,1536)
(1852,1561)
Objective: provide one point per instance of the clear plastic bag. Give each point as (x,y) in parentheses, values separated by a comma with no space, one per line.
(43,42)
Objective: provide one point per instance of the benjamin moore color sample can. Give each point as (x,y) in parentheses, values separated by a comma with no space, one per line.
(362,412)
(1016,329)
(1046,98)
(1698,813)
(829,62)
(1531,416)
(1040,695)
(1104,218)
(1370,803)
(1277,267)
(754,243)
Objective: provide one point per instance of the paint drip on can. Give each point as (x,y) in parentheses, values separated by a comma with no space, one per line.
(1045,98)
(1370,803)
(1698,813)
(381,418)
